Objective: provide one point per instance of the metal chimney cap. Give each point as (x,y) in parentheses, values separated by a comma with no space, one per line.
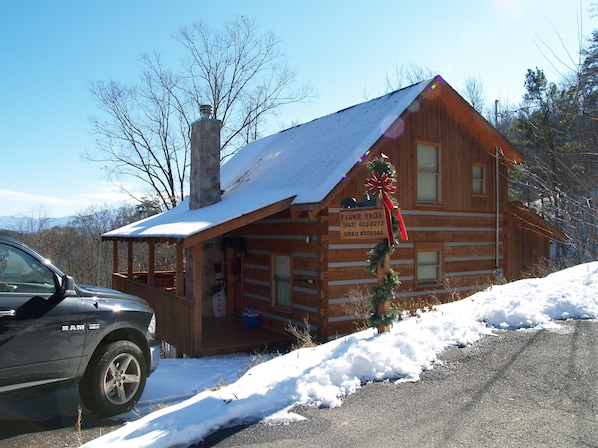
(205,110)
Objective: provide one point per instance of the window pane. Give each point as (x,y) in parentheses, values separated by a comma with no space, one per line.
(19,267)
(427,158)
(427,273)
(477,174)
(427,187)
(282,266)
(477,187)
(477,171)
(428,266)
(282,280)
(427,257)
(283,293)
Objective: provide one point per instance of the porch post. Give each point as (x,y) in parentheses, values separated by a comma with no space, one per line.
(197,298)
(130,259)
(114,260)
(115,256)
(180,270)
(151,268)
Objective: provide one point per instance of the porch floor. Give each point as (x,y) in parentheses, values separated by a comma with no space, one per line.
(222,335)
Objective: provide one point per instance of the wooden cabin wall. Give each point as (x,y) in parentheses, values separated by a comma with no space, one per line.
(527,251)
(301,238)
(462,226)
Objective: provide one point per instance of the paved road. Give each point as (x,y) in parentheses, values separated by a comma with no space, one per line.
(515,389)
(24,424)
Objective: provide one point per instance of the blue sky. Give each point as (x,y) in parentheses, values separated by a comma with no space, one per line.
(51,50)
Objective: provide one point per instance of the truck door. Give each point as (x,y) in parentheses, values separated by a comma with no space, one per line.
(41,334)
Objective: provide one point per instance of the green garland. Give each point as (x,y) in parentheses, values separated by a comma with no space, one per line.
(383,293)
(382,166)
(376,319)
(376,257)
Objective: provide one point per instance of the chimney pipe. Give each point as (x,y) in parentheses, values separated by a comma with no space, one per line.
(205,160)
(205,110)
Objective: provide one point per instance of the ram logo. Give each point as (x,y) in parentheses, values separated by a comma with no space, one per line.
(79,327)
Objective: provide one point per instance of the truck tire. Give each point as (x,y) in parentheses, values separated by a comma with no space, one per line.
(114,379)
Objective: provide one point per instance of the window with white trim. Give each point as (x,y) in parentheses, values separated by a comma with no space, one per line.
(428,173)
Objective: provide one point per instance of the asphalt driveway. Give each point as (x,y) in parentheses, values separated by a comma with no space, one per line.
(517,389)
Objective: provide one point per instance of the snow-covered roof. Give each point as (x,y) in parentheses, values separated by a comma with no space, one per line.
(304,163)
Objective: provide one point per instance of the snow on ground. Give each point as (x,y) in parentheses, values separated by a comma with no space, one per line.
(321,376)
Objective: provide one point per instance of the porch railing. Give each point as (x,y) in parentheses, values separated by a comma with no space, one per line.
(174,313)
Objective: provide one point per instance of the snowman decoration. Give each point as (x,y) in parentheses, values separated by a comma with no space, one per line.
(219,295)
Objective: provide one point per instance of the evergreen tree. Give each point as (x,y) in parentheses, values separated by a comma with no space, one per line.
(557,135)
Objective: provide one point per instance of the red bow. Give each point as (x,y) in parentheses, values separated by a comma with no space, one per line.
(382,183)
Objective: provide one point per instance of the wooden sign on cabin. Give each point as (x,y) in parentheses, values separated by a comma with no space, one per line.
(362,223)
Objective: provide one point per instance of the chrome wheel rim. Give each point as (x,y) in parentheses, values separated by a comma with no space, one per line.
(122,379)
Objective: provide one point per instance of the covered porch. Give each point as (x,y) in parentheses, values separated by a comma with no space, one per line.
(179,320)
(179,295)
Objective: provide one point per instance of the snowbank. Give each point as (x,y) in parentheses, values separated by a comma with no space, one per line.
(322,375)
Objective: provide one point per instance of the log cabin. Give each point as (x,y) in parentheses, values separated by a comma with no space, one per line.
(258,241)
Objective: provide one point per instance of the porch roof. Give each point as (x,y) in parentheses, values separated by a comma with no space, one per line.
(535,222)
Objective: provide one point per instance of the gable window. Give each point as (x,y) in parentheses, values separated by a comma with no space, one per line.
(478,176)
(428,173)
(428,266)
(281,281)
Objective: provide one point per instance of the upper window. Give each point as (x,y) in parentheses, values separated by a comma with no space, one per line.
(428,173)
(281,282)
(478,176)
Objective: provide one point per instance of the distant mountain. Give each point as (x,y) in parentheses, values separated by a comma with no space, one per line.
(9,222)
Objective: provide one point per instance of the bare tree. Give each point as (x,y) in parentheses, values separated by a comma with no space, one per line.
(31,227)
(474,93)
(406,75)
(144,133)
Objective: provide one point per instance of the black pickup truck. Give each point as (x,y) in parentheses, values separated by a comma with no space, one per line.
(55,334)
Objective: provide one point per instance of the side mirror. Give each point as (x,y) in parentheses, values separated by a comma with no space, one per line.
(68,286)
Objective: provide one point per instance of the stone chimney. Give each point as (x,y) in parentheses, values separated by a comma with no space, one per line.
(205,160)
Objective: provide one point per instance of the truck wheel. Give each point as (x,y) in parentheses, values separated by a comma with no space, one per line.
(114,379)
